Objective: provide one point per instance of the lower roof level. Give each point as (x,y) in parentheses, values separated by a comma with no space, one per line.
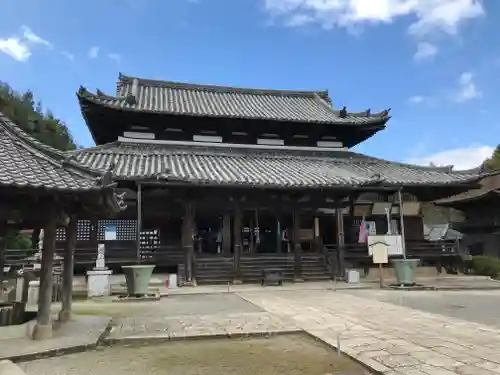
(259,166)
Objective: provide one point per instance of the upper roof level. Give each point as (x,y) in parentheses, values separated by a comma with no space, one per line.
(223,109)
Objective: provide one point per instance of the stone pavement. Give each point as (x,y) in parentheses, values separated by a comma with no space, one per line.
(480,306)
(392,340)
(130,329)
(82,333)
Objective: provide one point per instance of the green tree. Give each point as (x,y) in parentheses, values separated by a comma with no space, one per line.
(493,163)
(28,115)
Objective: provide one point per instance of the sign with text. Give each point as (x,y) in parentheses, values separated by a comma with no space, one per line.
(380,253)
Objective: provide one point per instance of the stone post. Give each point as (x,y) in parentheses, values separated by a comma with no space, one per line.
(68,269)
(43,326)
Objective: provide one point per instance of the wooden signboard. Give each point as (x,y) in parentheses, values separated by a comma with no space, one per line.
(380,256)
(380,253)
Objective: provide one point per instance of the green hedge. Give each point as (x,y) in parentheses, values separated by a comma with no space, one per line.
(486,266)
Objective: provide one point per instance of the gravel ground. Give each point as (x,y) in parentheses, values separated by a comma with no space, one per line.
(290,355)
(475,306)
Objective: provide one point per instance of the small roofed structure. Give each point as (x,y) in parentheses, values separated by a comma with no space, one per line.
(43,187)
(481,207)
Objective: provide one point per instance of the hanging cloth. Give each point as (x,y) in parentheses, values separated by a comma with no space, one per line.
(363,231)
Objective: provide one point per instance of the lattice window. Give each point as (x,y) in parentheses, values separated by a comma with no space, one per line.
(150,239)
(83,229)
(125,229)
(61,234)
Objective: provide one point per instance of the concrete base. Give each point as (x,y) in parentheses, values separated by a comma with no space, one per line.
(98,283)
(42,331)
(298,280)
(33,291)
(64,316)
(237,282)
(9,368)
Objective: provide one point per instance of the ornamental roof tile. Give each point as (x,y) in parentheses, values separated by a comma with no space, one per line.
(258,167)
(176,98)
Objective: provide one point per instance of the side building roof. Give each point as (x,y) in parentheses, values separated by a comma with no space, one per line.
(258,166)
(27,163)
(489,186)
(175,98)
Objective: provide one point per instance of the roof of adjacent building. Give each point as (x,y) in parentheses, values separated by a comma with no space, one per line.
(258,166)
(155,96)
(489,185)
(27,163)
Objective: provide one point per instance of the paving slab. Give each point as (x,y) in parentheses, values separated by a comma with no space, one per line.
(391,339)
(143,328)
(480,306)
(80,334)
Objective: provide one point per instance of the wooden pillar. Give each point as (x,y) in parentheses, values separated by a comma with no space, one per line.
(339,218)
(139,223)
(237,243)
(43,326)
(226,233)
(187,243)
(3,245)
(297,247)
(93,233)
(402,222)
(279,230)
(68,270)
(318,243)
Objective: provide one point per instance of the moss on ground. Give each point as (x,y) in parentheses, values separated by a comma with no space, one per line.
(285,354)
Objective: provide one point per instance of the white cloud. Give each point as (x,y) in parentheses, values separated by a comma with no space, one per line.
(416,99)
(461,158)
(115,57)
(15,48)
(31,37)
(93,52)
(425,51)
(19,47)
(467,88)
(428,15)
(68,55)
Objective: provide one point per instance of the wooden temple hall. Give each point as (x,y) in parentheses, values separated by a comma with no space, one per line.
(222,182)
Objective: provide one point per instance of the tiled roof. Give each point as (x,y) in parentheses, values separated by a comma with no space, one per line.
(251,166)
(489,185)
(27,163)
(229,102)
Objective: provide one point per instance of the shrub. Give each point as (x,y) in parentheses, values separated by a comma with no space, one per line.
(486,266)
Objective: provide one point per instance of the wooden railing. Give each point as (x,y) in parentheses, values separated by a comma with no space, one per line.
(164,255)
(420,249)
(173,255)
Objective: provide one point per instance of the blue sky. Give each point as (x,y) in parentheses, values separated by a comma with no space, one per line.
(436,63)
